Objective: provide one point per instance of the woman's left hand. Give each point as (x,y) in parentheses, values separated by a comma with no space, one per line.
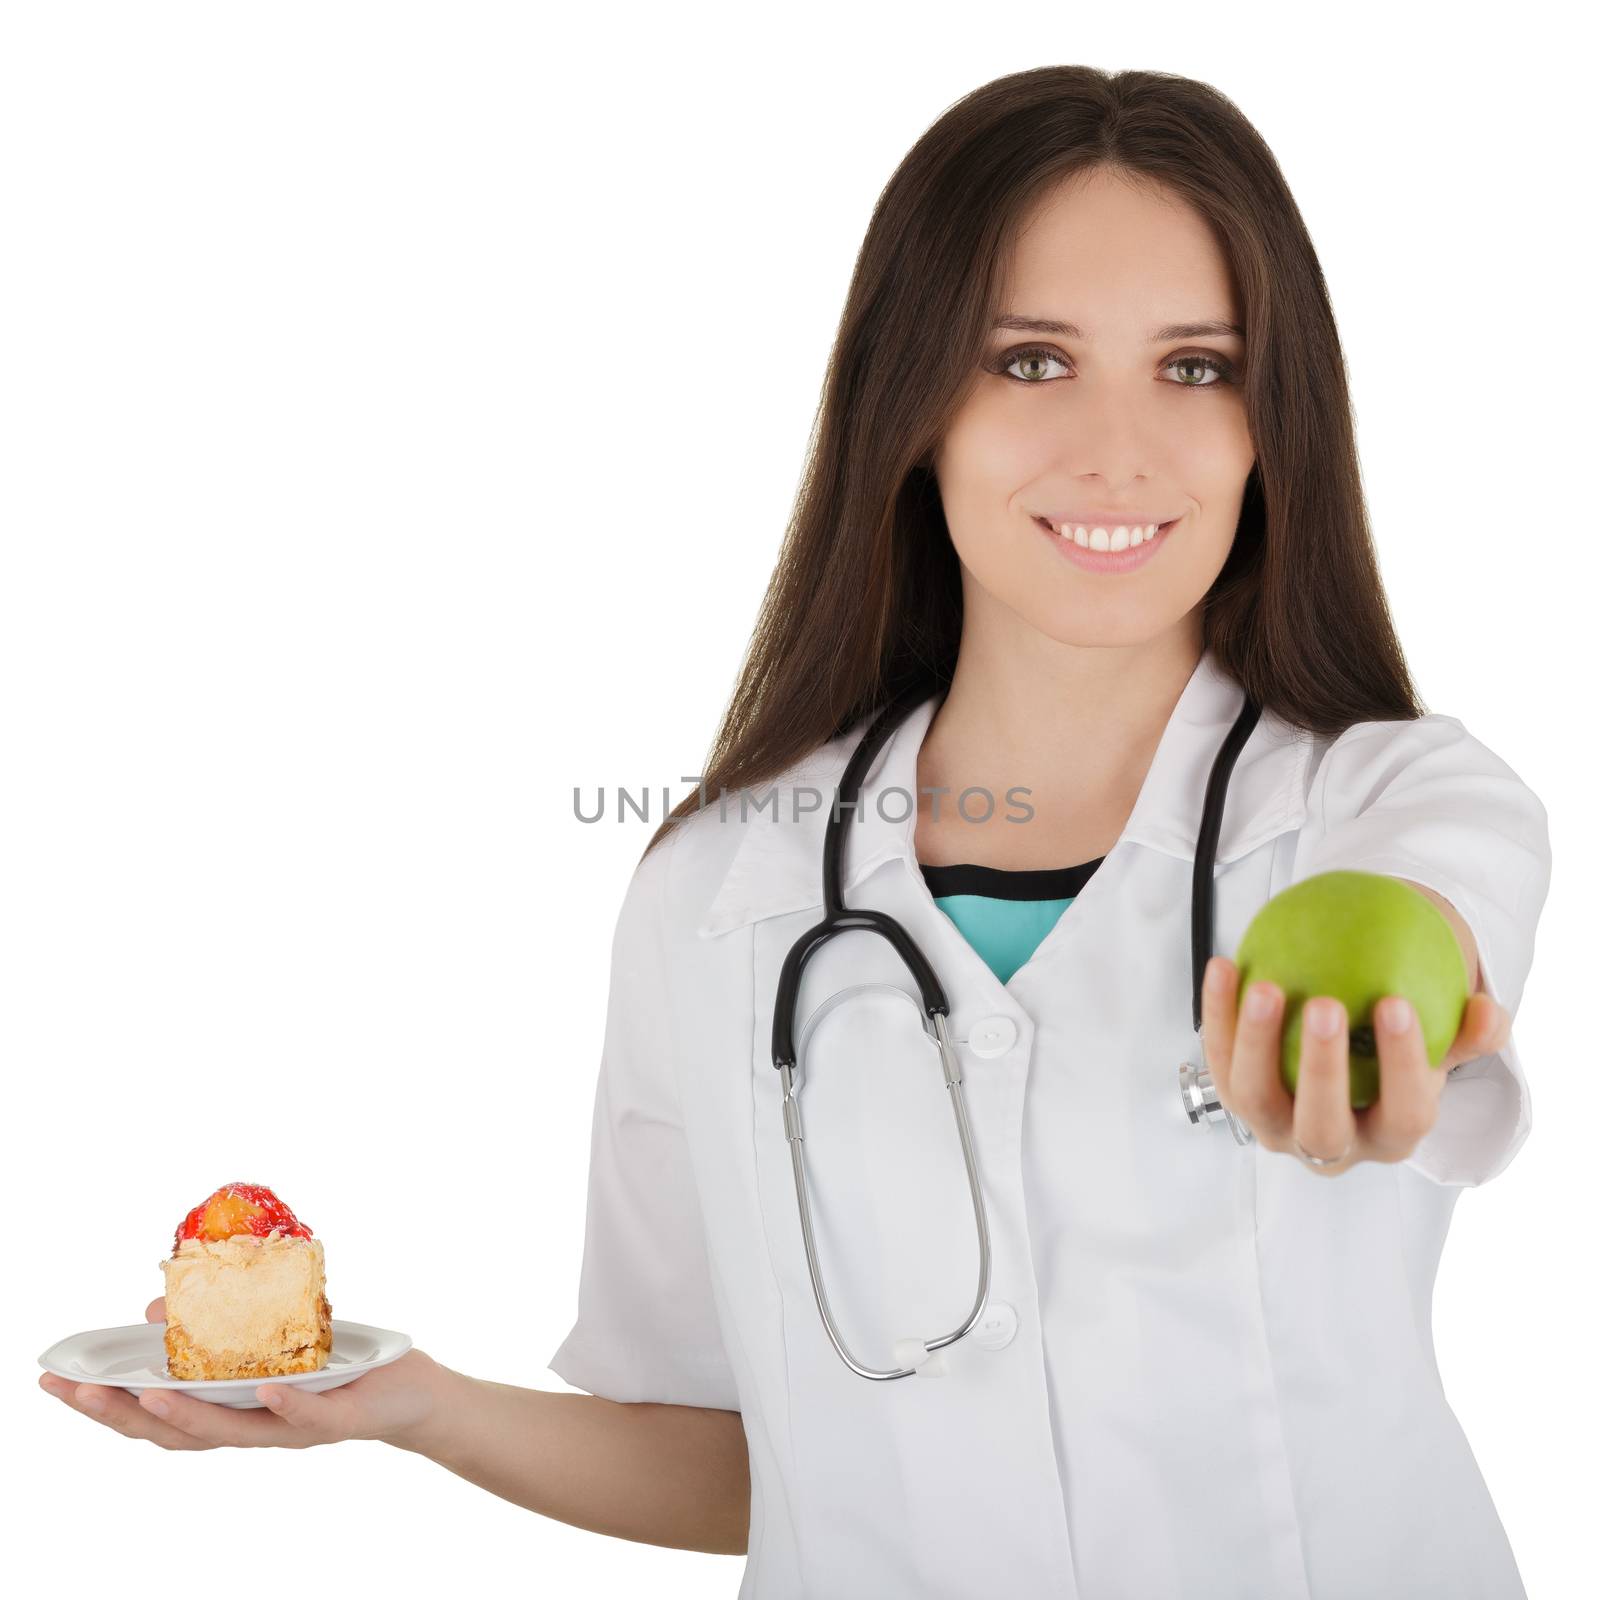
(1243,1053)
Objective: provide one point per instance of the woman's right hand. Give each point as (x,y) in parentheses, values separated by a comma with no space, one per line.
(395,1403)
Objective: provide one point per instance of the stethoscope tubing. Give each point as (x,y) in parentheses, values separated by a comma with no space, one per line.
(837,918)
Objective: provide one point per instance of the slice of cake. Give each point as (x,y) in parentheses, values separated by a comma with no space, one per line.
(245,1291)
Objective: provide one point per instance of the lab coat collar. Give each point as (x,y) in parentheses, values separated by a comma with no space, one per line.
(777,867)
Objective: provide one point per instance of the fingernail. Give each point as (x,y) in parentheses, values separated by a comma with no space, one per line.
(1395,1014)
(1322,1018)
(159,1407)
(93,1402)
(1214,975)
(270,1397)
(1259,1002)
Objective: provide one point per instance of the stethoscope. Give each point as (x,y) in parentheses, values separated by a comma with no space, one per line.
(1195,1085)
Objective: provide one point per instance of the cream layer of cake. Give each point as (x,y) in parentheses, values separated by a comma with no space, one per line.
(246,1307)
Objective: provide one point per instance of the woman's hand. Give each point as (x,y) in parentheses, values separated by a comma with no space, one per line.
(394,1403)
(1243,1052)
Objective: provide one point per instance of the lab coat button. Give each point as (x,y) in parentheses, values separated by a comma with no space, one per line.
(997,1326)
(992,1037)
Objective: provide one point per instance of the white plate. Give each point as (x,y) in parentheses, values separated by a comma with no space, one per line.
(135,1358)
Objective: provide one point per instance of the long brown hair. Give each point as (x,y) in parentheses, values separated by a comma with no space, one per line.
(865,600)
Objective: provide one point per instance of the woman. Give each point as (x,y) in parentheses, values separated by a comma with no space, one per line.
(1202,1367)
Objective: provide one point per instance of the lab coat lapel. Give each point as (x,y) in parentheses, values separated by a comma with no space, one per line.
(1266,792)
(777,867)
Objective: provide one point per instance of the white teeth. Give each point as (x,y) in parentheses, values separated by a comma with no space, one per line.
(1118,538)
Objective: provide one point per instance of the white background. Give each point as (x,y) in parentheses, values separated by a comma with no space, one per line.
(402,406)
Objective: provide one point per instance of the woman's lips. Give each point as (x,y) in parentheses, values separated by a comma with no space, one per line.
(1108,560)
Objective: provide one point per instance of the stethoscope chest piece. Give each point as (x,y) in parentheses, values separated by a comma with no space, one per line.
(1200,1101)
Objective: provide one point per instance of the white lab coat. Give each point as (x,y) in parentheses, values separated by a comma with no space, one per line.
(1209,1372)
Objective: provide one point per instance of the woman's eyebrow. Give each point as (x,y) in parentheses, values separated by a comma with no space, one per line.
(1070,330)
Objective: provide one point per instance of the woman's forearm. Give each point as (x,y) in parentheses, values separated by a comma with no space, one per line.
(658,1474)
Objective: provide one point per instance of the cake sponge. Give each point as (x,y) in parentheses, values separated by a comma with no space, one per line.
(243,1302)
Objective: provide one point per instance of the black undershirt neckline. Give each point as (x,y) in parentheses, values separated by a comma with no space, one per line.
(1007,883)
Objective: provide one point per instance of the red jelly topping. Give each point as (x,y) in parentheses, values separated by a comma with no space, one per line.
(239,1208)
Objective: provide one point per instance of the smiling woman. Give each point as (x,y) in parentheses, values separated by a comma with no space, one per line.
(1083,492)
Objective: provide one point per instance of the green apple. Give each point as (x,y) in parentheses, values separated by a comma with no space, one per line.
(1357,936)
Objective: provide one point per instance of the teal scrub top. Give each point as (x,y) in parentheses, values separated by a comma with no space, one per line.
(1004,914)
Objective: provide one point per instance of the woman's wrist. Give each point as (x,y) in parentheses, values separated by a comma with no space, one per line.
(431,1428)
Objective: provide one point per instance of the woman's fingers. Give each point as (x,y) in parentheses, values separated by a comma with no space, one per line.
(1255,1076)
(177,1421)
(118,1410)
(1485,1028)
(156,1311)
(1216,1020)
(220,1424)
(1324,1124)
(1408,1088)
(1242,1048)
(313,1418)
(1217,1008)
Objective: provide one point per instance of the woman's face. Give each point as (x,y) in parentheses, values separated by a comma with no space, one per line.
(1131,421)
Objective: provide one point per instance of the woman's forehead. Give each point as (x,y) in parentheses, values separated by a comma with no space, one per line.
(1099,254)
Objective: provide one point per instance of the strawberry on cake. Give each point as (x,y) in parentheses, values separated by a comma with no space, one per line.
(245,1291)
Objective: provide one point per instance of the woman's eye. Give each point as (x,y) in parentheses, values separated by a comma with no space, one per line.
(1034,358)
(1222,371)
